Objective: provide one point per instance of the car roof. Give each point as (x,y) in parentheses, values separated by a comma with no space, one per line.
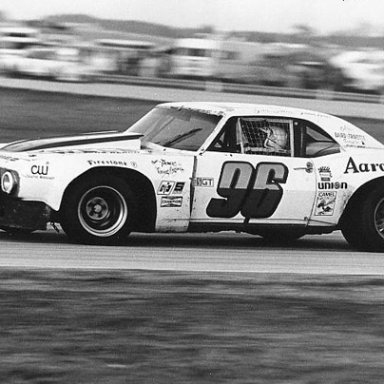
(222,108)
(335,126)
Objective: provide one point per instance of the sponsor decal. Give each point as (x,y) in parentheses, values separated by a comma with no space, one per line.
(178,188)
(325,203)
(325,173)
(332,185)
(171,201)
(351,139)
(204,182)
(40,171)
(107,162)
(326,182)
(352,167)
(167,167)
(165,187)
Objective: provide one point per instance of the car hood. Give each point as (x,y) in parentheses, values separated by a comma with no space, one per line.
(88,140)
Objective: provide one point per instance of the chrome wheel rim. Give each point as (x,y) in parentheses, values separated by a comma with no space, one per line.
(102,211)
(379,218)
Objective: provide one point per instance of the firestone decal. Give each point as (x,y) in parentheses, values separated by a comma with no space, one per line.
(107,162)
(117,163)
(352,167)
(325,203)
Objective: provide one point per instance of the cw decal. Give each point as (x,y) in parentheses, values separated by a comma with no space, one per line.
(40,169)
(255,193)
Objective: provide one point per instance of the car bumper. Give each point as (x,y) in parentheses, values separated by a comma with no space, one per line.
(16,213)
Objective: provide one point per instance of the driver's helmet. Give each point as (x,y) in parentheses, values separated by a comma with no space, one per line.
(277,138)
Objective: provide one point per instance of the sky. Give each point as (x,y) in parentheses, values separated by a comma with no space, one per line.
(323,16)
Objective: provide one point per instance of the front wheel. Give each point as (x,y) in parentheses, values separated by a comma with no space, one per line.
(99,210)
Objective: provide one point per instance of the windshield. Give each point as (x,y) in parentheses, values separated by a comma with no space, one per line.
(176,128)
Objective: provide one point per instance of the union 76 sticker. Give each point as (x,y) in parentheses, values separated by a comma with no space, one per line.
(325,203)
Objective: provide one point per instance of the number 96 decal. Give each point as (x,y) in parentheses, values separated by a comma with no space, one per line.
(256,193)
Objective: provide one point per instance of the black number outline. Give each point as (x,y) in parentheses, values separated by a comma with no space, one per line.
(251,202)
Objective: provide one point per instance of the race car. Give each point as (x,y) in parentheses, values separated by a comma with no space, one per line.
(272,171)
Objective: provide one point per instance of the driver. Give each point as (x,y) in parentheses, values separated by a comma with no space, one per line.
(263,137)
(277,138)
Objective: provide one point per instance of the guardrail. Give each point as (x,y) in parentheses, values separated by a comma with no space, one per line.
(217,86)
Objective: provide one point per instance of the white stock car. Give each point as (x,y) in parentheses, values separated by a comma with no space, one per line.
(272,171)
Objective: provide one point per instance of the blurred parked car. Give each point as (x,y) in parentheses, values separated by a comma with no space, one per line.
(363,70)
(64,64)
(300,69)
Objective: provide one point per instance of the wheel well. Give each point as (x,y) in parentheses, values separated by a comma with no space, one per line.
(141,187)
(358,195)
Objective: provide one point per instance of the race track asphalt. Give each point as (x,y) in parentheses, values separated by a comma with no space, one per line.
(223,252)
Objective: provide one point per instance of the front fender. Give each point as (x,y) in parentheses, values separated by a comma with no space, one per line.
(46,177)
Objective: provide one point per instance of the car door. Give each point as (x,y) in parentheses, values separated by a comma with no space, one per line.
(248,175)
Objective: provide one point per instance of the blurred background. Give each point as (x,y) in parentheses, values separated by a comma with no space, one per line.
(329,45)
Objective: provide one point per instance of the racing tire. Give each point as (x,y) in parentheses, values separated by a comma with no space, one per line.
(363,226)
(99,210)
(350,227)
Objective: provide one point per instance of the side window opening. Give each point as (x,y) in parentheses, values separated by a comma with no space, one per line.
(251,135)
(316,142)
(226,141)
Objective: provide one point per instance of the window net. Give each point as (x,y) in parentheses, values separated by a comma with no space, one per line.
(261,136)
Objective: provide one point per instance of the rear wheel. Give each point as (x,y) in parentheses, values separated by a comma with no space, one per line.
(350,227)
(363,224)
(99,210)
